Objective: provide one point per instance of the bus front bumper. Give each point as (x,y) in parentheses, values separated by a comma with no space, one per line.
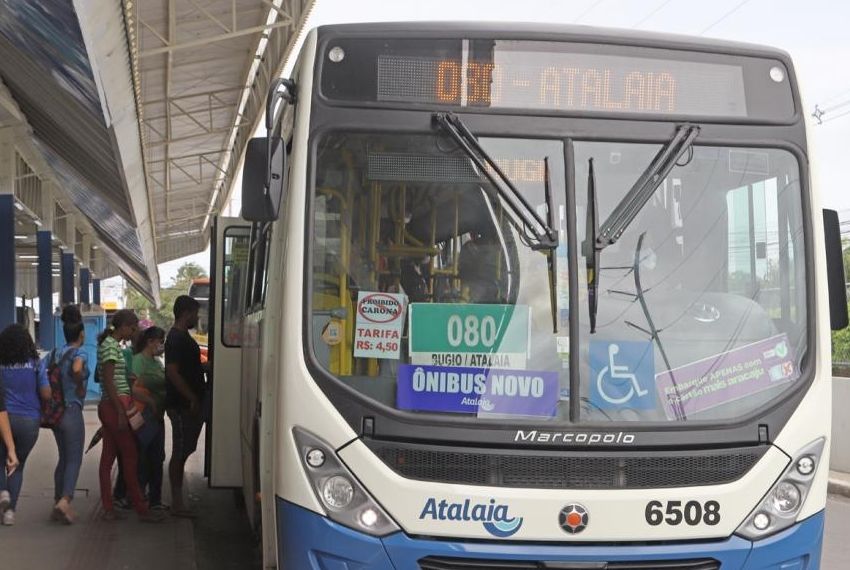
(308,541)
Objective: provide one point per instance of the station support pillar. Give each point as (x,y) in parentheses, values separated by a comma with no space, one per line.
(85,281)
(67,292)
(95,291)
(7,259)
(44,248)
(8,283)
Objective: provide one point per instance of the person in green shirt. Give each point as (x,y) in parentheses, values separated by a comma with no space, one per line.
(149,396)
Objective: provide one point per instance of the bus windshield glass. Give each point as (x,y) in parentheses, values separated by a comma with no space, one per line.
(428,297)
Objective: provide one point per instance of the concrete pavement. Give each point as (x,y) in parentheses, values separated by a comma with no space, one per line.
(839,483)
(92,544)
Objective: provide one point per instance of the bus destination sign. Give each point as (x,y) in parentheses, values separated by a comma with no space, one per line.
(560,81)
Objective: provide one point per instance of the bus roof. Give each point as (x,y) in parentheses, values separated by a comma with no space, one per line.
(557,32)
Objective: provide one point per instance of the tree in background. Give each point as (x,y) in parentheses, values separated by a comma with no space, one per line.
(841,339)
(163,316)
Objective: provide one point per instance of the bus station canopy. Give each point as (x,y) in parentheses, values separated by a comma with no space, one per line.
(123,122)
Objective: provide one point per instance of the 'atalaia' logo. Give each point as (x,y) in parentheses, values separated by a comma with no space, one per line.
(495,517)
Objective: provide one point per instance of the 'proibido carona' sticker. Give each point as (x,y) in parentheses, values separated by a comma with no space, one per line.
(477,390)
(379,324)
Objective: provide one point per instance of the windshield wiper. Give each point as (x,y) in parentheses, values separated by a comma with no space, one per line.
(628,208)
(645,186)
(591,252)
(544,237)
(543,234)
(551,257)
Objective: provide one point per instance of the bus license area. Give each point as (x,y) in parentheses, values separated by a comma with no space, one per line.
(489,84)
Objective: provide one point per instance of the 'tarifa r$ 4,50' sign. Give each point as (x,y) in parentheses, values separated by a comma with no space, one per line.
(379,325)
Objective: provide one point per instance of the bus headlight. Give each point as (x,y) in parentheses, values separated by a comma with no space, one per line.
(344,499)
(778,509)
(786,497)
(337,492)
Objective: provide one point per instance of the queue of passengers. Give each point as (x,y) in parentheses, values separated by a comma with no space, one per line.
(137,391)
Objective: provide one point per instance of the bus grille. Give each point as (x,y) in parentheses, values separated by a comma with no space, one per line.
(434,563)
(568,470)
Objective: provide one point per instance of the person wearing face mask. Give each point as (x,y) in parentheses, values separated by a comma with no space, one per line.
(149,396)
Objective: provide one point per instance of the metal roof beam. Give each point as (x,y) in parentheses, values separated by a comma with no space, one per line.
(172,37)
(195,95)
(194,136)
(186,156)
(212,18)
(209,109)
(215,39)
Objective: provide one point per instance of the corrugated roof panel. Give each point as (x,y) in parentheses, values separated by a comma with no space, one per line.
(47,68)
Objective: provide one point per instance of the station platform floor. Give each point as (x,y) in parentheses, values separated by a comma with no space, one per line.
(218,539)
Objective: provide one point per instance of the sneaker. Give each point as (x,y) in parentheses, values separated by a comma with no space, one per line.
(160,507)
(123,503)
(9,517)
(5,501)
(63,512)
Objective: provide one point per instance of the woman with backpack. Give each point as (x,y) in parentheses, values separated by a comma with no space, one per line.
(70,433)
(113,410)
(25,386)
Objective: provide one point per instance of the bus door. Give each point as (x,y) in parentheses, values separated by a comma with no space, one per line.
(229,267)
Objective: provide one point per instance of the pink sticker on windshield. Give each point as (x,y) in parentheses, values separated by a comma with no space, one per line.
(726,377)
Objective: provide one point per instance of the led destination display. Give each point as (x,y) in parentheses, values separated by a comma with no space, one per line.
(554,77)
(562,81)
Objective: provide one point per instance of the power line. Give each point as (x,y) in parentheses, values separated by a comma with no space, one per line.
(588,11)
(652,13)
(737,7)
(833,117)
(837,96)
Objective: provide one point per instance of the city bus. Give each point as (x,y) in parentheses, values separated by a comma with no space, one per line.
(523,296)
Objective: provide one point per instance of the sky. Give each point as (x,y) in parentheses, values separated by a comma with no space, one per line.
(813,32)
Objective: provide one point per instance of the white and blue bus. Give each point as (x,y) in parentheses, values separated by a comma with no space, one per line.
(514,296)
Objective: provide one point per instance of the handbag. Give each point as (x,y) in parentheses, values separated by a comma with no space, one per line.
(134,417)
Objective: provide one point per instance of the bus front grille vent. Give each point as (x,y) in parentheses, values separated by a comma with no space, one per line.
(439,563)
(567,470)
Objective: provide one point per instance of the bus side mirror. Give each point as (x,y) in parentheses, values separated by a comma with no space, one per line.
(265,159)
(835,271)
(263,179)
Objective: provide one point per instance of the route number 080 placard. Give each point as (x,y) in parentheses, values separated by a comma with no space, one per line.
(449,334)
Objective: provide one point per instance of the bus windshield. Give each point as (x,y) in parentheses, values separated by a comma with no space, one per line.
(429,297)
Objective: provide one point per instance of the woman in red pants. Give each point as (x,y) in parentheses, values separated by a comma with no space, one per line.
(118,436)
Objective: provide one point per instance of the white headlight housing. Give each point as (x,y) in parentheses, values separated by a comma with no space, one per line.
(344,499)
(779,508)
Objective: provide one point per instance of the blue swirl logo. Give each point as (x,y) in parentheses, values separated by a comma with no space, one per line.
(493,516)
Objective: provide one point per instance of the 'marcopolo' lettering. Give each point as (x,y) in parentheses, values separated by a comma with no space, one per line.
(585,438)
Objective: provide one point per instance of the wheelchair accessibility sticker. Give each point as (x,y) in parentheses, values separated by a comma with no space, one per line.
(622,374)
